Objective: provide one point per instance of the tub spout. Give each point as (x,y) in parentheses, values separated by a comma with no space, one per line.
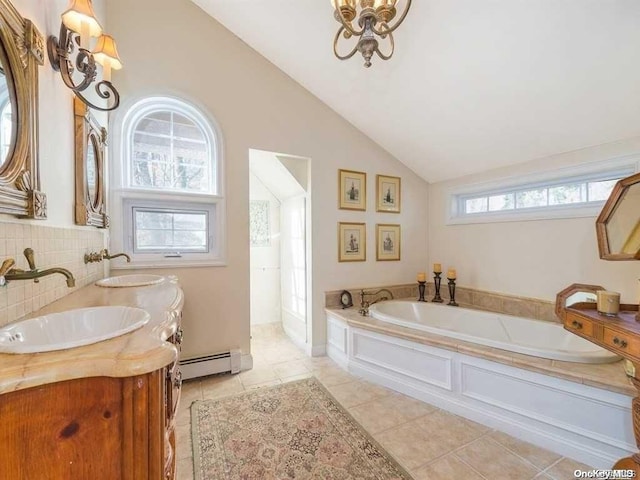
(364,304)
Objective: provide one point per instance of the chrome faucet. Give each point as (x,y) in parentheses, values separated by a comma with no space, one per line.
(103,255)
(8,274)
(364,305)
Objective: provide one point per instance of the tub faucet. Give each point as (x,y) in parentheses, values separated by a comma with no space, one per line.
(8,274)
(364,304)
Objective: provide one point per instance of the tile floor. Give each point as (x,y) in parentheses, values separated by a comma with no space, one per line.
(430,443)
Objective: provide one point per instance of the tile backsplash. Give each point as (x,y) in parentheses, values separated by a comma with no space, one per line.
(54,247)
(466,297)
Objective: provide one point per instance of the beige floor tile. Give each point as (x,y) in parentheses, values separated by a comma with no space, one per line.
(495,462)
(446,468)
(185,469)
(290,369)
(297,377)
(388,412)
(333,375)
(540,457)
(356,392)
(221,386)
(564,469)
(451,430)
(268,383)
(183,441)
(259,374)
(411,445)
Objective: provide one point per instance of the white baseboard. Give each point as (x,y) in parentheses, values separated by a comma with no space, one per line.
(246,362)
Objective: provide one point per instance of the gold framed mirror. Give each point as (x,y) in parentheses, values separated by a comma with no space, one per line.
(90,143)
(618,225)
(21,52)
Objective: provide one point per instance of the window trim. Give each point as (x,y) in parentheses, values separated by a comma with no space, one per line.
(120,192)
(622,166)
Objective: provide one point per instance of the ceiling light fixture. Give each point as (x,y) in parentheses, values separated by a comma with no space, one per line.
(374,18)
(79,24)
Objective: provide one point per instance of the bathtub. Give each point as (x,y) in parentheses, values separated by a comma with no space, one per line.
(516,334)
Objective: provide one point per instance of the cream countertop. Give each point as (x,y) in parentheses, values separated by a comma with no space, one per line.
(135,353)
(608,376)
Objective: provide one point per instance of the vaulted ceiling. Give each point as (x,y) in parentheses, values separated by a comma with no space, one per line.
(474,84)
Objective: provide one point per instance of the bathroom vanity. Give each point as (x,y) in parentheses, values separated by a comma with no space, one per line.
(100,411)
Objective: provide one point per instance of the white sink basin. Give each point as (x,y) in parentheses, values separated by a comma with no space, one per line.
(69,329)
(124,281)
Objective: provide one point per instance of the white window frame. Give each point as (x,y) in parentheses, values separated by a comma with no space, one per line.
(125,196)
(594,171)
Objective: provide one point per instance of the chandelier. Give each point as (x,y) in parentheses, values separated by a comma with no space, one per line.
(374,20)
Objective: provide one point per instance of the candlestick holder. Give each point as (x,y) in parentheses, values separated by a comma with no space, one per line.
(436,281)
(452,292)
(421,287)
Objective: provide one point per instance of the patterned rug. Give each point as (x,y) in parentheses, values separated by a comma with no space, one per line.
(296,430)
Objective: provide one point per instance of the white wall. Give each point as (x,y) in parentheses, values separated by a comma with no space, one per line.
(265,262)
(534,258)
(171,46)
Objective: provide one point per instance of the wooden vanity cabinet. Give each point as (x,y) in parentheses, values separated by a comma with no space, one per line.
(621,335)
(97,428)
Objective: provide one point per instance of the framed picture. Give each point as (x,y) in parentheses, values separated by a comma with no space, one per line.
(352,242)
(387,242)
(387,194)
(352,188)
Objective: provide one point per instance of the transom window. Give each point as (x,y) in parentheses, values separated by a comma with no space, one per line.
(170,196)
(540,197)
(571,192)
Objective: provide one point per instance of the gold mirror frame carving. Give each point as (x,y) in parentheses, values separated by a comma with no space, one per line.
(89,134)
(24,48)
(617,195)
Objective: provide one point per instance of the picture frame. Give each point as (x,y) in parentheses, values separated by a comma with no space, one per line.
(352,242)
(388,194)
(388,242)
(352,190)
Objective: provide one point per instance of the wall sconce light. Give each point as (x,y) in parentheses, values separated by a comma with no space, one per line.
(78,25)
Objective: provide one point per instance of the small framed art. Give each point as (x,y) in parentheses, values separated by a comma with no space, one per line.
(352,242)
(387,194)
(387,242)
(352,187)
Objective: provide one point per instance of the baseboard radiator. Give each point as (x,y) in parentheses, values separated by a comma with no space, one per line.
(211,364)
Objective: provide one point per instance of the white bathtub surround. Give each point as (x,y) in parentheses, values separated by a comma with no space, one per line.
(578,410)
(506,332)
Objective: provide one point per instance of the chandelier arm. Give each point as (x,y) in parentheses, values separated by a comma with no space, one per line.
(386,29)
(343,21)
(393,48)
(335,47)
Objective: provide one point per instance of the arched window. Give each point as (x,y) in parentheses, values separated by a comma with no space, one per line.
(170,192)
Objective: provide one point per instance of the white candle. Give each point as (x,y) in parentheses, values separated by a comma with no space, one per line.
(422,277)
(85,29)
(437,268)
(451,273)
(106,70)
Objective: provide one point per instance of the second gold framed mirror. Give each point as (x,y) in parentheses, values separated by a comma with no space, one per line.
(90,143)
(618,225)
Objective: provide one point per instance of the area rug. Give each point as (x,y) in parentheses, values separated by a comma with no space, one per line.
(296,430)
